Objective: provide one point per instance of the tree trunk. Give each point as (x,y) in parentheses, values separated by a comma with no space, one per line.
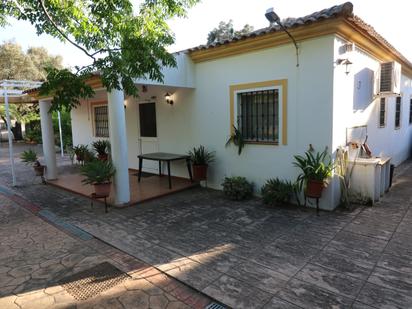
(18,136)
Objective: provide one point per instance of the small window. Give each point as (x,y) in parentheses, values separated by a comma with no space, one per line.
(398,112)
(410,110)
(147,117)
(382,113)
(258,115)
(101,121)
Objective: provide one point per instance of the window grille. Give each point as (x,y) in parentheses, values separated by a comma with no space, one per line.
(398,112)
(382,113)
(258,115)
(101,121)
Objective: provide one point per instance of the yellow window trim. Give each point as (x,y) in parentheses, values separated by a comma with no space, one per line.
(271,83)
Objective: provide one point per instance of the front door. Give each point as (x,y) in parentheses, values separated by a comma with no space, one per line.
(148,141)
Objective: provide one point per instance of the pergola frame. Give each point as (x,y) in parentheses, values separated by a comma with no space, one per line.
(16,88)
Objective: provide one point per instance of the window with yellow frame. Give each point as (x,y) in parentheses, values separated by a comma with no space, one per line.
(259,111)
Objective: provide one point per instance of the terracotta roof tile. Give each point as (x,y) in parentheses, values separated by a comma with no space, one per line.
(345,9)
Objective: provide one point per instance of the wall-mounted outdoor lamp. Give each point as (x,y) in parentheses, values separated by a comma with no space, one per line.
(272,17)
(168,98)
(347,63)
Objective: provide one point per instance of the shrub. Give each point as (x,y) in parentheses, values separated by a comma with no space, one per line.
(277,191)
(237,188)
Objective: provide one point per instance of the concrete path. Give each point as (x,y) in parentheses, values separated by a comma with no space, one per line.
(249,256)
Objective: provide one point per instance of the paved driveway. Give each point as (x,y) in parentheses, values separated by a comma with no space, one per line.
(249,256)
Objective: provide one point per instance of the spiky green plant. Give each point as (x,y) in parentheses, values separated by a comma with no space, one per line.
(29,157)
(277,191)
(237,139)
(201,156)
(314,166)
(101,146)
(97,172)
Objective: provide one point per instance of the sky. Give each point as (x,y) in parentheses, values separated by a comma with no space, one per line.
(390,18)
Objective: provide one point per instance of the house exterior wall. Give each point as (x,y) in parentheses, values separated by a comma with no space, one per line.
(82,119)
(308,109)
(202,115)
(354,104)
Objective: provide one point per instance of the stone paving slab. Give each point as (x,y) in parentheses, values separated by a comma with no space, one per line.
(34,256)
(250,256)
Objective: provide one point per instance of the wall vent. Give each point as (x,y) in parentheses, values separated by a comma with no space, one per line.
(389,82)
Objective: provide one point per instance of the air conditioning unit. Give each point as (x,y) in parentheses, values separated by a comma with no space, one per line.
(389,79)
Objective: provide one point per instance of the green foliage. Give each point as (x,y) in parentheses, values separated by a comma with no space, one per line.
(16,64)
(33,132)
(225,31)
(277,191)
(80,151)
(29,156)
(237,188)
(121,43)
(97,172)
(66,124)
(67,88)
(314,166)
(201,156)
(237,139)
(101,146)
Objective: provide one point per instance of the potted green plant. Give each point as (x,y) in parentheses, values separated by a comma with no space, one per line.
(200,158)
(316,169)
(102,148)
(80,151)
(30,157)
(98,173)
(237,139)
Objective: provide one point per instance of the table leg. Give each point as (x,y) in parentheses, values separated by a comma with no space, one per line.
(140,169)
(189,169)
(168,173)
(160,168)
(105,205)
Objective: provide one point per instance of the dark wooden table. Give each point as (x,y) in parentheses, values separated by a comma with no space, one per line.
(164,157)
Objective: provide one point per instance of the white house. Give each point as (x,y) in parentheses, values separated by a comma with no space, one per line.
(253,82)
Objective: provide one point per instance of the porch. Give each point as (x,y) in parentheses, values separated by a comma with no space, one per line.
(150,187)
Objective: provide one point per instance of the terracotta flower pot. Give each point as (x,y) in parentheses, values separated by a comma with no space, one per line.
(314,188)
(199,172)
(102,189)
(39,170)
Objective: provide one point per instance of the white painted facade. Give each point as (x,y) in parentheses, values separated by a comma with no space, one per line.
(320,106)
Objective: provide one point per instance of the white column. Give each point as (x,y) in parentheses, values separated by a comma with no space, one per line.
(118,141)
(47,134)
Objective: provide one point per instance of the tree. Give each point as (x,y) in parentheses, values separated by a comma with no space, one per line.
(225,31)
(121,45)
(16,64)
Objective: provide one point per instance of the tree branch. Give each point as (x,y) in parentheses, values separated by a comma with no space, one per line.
(61,32)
